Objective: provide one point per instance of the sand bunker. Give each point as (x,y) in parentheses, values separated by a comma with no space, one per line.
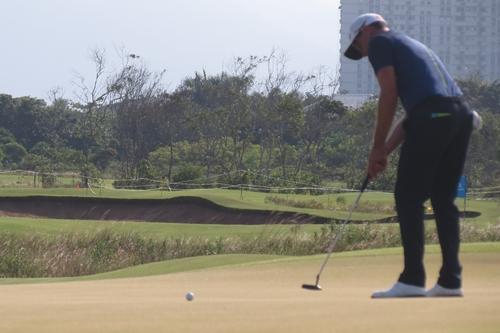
(183,209)
(179,209)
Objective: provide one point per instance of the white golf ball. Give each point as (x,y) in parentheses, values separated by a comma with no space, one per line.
(190,296)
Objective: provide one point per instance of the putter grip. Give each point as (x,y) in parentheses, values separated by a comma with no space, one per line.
(365,183)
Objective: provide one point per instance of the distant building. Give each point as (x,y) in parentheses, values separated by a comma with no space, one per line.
(464,34)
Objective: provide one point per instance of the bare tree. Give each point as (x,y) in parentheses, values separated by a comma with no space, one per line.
(93,99)
(54,94)
(123,95)
(137,111)
(322,81)
(277,76)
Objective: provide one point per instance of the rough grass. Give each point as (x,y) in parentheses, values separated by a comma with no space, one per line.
(313,204)
(206,262)
(76,254)
(339,205)
(48,248)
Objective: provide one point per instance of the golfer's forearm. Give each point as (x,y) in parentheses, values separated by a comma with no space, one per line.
(397,136)
(386,110)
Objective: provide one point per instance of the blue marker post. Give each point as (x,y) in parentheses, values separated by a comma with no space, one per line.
(462,192)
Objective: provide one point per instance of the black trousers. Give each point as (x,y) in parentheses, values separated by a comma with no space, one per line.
(431,163)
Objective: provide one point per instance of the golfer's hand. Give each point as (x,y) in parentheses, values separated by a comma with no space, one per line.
(377,162)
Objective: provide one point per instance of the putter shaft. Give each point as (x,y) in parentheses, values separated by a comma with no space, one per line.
(333,242)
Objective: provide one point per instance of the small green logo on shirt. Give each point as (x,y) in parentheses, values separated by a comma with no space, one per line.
(440,115)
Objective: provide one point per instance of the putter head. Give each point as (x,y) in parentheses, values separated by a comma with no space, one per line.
(311,286)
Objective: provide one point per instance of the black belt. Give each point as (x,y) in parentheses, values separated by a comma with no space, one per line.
(436,100)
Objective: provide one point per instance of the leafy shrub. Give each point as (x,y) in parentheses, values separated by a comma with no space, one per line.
(188,172)
(314,204)
(136,184)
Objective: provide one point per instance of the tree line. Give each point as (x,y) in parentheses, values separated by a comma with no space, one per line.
(126,125)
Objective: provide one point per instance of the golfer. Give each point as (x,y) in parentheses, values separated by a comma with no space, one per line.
(435,135)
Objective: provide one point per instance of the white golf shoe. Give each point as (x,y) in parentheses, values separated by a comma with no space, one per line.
(439,291)
(400,289)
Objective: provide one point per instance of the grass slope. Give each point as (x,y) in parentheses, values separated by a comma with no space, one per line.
(206,262)
(154,230)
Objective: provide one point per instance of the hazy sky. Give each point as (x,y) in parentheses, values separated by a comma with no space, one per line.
(45,42)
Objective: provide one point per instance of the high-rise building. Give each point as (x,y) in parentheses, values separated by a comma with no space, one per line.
(465,34)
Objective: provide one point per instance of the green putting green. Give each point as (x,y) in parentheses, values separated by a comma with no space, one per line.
(236,295)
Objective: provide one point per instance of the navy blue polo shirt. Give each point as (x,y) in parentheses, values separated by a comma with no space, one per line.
(419,71)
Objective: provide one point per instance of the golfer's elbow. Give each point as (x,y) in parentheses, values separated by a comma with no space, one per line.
(389,96)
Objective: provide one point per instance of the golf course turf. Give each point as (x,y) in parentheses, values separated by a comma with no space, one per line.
(259,296)
(237,292)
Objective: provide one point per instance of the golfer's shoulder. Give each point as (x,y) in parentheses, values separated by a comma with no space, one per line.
(386,39)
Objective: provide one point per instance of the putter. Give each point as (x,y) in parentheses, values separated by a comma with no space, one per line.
(334,240)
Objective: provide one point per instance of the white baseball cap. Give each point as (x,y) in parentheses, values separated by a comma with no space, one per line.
(359,23)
